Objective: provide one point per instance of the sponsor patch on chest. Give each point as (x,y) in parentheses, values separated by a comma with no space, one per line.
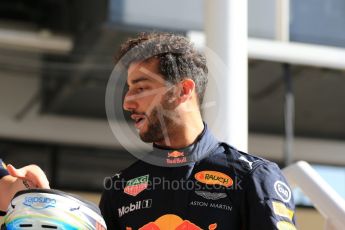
(213,178)
(215,205)
(142,204)
(136,185)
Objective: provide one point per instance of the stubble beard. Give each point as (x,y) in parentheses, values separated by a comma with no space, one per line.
(162,118)
(155,127)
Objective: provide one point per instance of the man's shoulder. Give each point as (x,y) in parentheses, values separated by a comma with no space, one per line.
(136,168)
(239,161)
(118,181)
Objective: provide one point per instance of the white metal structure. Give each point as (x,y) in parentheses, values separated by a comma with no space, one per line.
(283,20)
(329,203)
(42,41)
(227,36)
(297,53)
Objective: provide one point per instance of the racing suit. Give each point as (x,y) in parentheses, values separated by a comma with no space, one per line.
(212,186)
(3,170)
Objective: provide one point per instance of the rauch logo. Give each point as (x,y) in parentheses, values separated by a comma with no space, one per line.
(214,178)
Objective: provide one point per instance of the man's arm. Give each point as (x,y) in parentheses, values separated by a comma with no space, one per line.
(31,175)
(107,207)
(269,201)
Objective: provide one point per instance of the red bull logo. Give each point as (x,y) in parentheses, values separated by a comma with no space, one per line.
(172,222)
(177,158)
(175,154)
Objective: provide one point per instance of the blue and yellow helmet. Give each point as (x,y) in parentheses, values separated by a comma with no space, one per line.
(51,209)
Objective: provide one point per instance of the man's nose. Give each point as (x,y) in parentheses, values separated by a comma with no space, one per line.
(129,103)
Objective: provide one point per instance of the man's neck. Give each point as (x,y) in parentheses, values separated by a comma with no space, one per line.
(182,135)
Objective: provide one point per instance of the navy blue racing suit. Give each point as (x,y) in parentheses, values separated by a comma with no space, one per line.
(3,170)
(211,186)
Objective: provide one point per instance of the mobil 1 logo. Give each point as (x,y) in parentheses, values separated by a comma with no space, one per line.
(141,204)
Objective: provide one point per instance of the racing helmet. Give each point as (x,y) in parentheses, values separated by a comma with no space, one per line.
(51,209)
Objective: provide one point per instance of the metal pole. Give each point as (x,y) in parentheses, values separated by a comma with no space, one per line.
(289,115)
(283,20)
(325,199)
(227,36)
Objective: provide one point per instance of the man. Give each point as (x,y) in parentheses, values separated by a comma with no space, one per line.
(13,180)
(190,180)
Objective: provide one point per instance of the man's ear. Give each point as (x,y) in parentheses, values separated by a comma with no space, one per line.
(187,89)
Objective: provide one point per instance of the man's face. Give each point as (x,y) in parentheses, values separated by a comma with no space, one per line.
(147,99)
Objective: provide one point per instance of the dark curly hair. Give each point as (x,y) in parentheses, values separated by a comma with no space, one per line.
(178,58)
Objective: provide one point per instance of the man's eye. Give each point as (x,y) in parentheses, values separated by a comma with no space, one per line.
(139,90)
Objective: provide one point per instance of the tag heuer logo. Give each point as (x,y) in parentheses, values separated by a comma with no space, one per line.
(136,185)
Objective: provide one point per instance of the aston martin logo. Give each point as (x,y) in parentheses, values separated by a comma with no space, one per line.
(211,195)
